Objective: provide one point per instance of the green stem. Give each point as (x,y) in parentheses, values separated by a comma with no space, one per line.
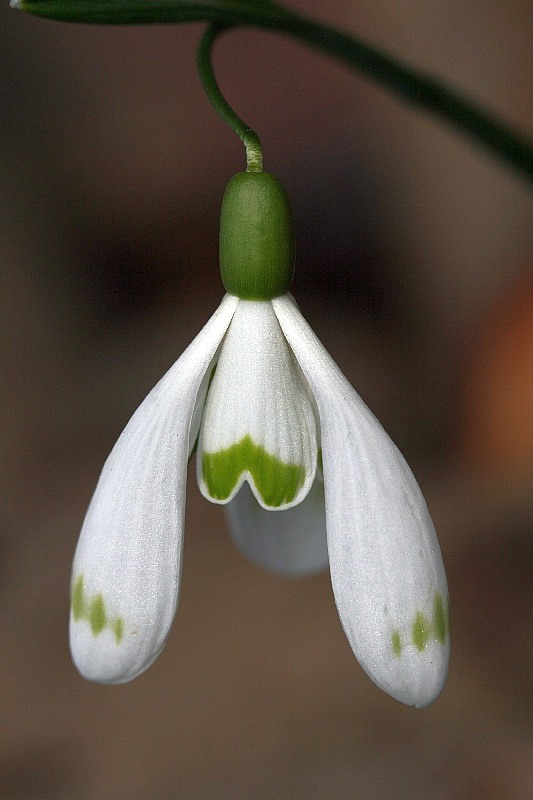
(254,153)
(419,90)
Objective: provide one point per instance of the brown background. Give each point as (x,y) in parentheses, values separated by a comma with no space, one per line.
(414,264)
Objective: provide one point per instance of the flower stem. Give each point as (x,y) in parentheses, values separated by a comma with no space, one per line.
(421,91)
(254,152)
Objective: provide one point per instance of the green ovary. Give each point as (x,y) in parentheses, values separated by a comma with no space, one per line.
(277,482)
(94,612)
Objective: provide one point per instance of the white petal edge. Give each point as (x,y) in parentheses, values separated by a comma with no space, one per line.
(385,559)
(258,393)
(129,550)
(289,543)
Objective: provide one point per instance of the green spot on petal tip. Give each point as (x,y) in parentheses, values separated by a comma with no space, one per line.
(97,615)
(277,482)
(396,644)
(118,629)
(421,631)
(78,603)
(94,612)
(439,619)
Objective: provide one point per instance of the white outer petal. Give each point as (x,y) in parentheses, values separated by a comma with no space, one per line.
(384,555)
(129,549)
(290,542)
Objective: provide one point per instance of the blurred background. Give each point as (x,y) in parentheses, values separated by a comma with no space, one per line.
(414,267)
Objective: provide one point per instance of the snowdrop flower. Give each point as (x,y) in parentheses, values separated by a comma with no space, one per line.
(287,444)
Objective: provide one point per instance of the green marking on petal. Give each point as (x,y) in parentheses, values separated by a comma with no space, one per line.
(421,631)
(277,482)
(97,615)
(118,629)
(439,619)
(94,612)
(77,600)
(435,626)
(396,643)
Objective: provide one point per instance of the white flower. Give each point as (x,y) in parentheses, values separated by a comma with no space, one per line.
(286,443)
(258,422)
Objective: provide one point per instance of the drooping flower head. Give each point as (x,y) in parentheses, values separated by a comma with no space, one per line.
(306,472)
